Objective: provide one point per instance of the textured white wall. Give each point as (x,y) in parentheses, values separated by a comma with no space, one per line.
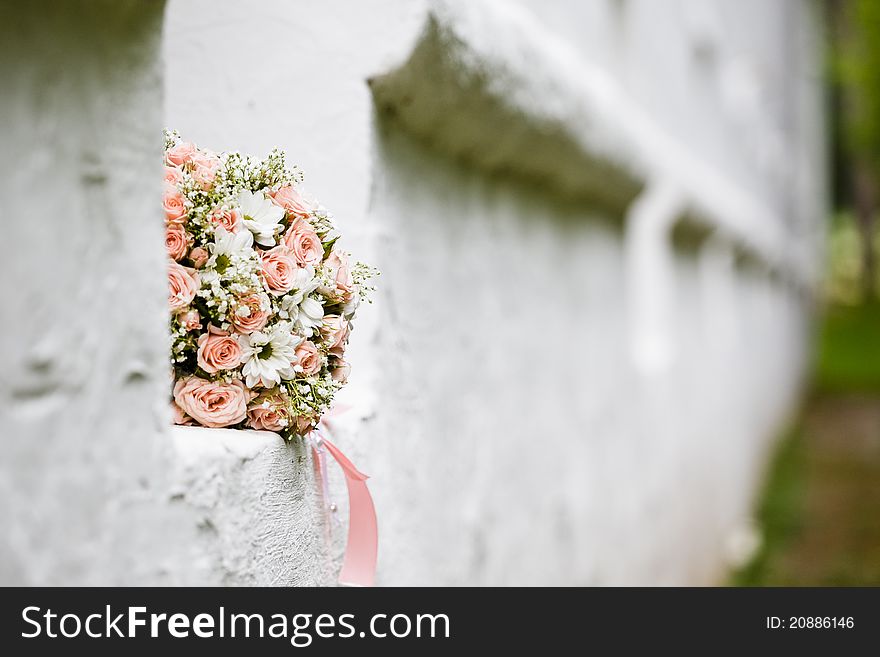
(83,313)
(516,440)
(542,394)
(550,389)
(95,488)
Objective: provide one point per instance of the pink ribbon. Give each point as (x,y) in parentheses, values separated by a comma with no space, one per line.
(359,564)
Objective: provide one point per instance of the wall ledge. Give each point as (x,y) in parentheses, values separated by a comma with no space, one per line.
(524,104)
(247,510)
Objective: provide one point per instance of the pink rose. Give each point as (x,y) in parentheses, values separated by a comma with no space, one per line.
(178,416)
(340,272)
(292,201)
(205,165)
(303,424)
(279,269)
(254,320)
(308,360)
(340,371)
(212,403)
(183,283)
(335,331)
(305,243)
(218,350)
(173,175)
(199,257)
(269,412)
(229,219)
(176,241)
(190,320)
(180,154)
(174,206)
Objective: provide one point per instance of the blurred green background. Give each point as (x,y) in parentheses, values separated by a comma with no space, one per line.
(819,516)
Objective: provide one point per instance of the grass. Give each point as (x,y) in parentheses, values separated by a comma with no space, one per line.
(821,503)
(781,512)
(848,357)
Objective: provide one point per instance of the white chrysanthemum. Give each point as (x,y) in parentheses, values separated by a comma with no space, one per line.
(267,355)
(230,244)
(261,216)
(305,312)
(310,316)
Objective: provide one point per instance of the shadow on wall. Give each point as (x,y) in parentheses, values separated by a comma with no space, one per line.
(467,108)
(529,432)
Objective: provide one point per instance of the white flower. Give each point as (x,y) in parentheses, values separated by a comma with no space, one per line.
(230,244)
(311,315)
(304,283)
(267,355)
(209,277)
(349,309)
(305,312)
(261,216)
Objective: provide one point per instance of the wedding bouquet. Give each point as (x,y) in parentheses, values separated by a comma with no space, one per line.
(261,297)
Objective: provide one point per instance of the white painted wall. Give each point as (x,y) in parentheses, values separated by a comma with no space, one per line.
(547,390)
(515,428)
(83,313)
(95,489)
